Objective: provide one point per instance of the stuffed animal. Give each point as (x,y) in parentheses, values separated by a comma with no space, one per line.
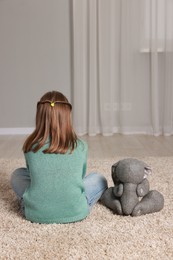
(130,185)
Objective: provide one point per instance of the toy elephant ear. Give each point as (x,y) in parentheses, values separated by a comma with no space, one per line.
(114,176)
(147,171)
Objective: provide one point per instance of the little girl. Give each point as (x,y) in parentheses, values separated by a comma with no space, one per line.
(53,188)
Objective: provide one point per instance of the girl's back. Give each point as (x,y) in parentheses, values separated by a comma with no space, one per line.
(57,188)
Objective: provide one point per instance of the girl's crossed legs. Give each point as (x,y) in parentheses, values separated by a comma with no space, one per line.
(95,184)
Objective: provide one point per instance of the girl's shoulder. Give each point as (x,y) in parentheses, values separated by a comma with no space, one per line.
(81,144)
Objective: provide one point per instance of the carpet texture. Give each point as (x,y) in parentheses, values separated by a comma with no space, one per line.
(102,235)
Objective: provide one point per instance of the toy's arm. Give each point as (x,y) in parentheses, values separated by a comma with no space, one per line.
(143,188)
(118,190)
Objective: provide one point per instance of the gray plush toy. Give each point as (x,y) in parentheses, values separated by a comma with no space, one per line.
(131,184)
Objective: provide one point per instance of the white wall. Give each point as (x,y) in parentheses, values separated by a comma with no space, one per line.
(34,56)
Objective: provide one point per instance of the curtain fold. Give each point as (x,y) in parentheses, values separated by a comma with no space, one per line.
(122,66)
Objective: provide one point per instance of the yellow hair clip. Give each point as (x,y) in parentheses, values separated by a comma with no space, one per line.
(52,103)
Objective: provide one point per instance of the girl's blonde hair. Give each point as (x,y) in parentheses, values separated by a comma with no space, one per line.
(53,122)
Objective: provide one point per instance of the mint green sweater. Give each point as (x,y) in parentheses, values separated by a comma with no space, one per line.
(56,193)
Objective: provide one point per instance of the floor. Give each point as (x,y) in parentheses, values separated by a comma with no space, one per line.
(102,147)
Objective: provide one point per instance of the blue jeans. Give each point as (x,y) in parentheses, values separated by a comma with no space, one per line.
(94,183)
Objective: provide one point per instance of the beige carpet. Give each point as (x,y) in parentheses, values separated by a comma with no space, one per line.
(101,236)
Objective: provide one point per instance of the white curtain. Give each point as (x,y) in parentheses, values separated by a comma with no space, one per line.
(122,66)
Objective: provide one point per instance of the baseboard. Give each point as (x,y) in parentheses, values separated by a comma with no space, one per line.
(29,130)
(16,131)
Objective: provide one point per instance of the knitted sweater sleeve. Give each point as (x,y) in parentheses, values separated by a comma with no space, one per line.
(85,161)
